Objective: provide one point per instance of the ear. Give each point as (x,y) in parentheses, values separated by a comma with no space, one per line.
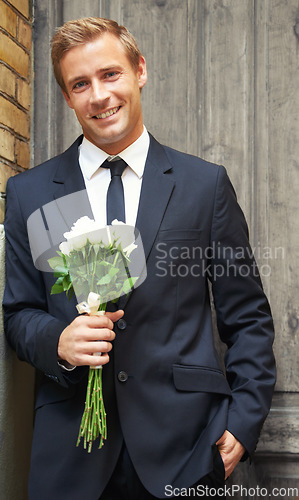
(67,98)
(142,72)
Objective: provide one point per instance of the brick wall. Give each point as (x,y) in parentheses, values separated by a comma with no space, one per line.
(15,90)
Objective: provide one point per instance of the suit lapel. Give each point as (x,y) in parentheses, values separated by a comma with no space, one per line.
(157,187)
(69,188)
(68,176)
(156,191)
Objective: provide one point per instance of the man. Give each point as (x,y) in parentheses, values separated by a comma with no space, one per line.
(175,420)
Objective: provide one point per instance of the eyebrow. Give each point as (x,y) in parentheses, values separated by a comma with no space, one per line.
(110,68)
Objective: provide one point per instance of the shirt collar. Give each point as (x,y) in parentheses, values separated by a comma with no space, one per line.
(91,157)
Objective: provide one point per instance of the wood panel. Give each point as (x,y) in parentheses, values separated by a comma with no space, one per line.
(283,185)
(46,116)
(227,127)
(165,99)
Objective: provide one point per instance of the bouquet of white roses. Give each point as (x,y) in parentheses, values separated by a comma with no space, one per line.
(94,262)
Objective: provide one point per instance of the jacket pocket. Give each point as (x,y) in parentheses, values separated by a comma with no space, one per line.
(218,473)
(200,379)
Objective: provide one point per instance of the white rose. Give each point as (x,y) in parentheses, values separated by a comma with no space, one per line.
(78,241)
(77,236)
(116,222)
(83,225)
(129,249)
(65,247)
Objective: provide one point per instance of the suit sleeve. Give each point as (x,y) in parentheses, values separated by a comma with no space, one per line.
(31,331)
(243,318)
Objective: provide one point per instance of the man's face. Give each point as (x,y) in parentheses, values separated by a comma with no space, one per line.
(104,91)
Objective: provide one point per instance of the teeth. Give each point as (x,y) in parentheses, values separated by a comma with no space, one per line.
(108,113)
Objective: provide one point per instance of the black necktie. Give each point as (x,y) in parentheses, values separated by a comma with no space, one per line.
(115,193)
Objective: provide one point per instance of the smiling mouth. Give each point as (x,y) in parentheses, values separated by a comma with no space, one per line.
(111,112)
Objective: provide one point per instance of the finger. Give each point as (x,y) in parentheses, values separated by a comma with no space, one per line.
(97,360)
(91,359)
(99,321)
(105,321)
(95,347)
(99,334)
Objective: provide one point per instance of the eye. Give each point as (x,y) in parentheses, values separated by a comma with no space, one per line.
(79,85)
(112,75)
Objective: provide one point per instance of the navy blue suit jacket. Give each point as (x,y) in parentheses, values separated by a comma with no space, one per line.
(177,400)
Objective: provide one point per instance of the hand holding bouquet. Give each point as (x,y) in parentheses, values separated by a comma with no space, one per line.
(95,263)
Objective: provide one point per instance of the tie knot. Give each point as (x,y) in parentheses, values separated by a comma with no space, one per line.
(116,167)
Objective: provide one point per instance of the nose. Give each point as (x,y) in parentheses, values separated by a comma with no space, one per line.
(99,92)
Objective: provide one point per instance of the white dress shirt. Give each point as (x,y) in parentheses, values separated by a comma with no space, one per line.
(97,179)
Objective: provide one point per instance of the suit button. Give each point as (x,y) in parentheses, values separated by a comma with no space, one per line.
(122,324)
(122,376)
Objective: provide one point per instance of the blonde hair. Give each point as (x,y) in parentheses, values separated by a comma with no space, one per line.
(84,30)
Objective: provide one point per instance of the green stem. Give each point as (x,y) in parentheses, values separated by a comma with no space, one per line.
(115,258)
(93,273)
(93,422)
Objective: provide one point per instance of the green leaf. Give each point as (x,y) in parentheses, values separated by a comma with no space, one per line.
(66,283)
(113,271)
(96,248)
(104,263)
(104,280)
(128,284)
(60,271)
(55,262)
(57,287)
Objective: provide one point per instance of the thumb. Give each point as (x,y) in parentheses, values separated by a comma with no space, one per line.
(115,316)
